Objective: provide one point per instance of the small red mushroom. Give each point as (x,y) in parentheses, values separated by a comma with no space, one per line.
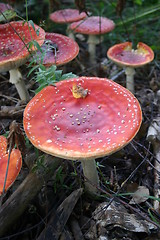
(67,16)
(93,26)
(15,165)
(82,119)
(58,49)
(14,50)
(123,55)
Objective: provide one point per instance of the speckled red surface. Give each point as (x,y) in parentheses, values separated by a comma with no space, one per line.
(67,15)
(15,164)
(97,125)
(123,54)
(66,49)
(93,25)
(13,37)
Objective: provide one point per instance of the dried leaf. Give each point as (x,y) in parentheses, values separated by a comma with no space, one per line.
(116,215)
(139,196)
(78,91)
(15,137)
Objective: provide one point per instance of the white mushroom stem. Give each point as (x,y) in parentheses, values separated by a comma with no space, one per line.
(129,71)
(92,42)
(17,80)
(91,175)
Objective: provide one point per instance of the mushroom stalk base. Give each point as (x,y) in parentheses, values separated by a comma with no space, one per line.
(17,80)
(130,79)
(91,175)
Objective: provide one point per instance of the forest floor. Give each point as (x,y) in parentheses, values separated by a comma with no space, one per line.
(57,207)
(48,199)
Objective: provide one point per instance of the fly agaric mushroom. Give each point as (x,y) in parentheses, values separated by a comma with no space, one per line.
(14,50)
(67,16)
(81,119)
(58,49)
(93,26)
(15,165)
(123,55)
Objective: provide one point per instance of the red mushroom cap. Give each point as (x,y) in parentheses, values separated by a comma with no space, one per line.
(67,16)
(66,49)
(13,52)
(99,122)
(124,55)
(15,164)
(4,7)
(93,25)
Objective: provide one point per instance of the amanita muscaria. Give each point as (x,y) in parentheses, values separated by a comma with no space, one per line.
(14,50)
(124,55)
(15,164)
(82,119)
(93,26)
(67,16)
(58,50)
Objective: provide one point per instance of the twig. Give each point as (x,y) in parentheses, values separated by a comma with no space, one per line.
(10,111)
(117,75)
(9,98)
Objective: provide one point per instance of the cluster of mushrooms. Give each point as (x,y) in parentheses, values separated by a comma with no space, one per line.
(82,118)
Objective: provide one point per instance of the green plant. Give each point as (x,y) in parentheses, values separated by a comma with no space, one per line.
(39,163)
(59,181)
(7,15)
(48,76)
